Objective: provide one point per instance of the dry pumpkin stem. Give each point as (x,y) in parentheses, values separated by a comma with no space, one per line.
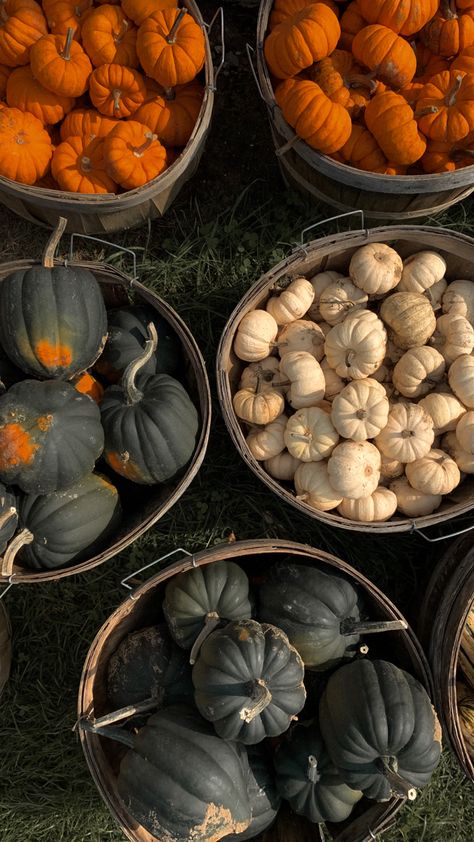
(66,51)
(21,540)
(312,772)
(139,151)
(128,378)
(171,38)
(350,626)
(125,712)
(53,242)
(7,515)
(117,734)
(260,699)
(399,785)
(211,622)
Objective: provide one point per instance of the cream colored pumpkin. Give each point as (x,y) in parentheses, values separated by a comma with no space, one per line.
(411,502)
(418,371)
(268,441)
(360,410)
(410,318)
(313,487)
(261,376)
(356,348)
(282,466)
(310,435)
(436,473)
(340,298)
(453,337)
(408,434)
(292,303)
(333,383)
(463,459)
(461,379)
(306,379)
(459,298)
(421,271)
(319,283)
(255,336)
(379,506)
(354,469)
(445,410)
(258,407)
(435,293)
(376,268)
(465,432)
(301,335)
(390,469)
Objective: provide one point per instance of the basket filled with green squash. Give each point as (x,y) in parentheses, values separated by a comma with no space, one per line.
(257,690)
(346,378)
(104,414)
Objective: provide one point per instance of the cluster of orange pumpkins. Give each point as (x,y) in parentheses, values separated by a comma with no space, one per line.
(96,97)
(381,85)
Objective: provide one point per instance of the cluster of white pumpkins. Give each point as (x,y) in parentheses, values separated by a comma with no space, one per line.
(356,391)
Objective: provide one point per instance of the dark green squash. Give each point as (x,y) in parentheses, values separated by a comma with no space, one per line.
(263,795)
(9,373)
(53,322)
(319,612)
(127,336)
(147,663)
(380,729)
(248,681)
(50,435)
(8,516)
(150,424)
(307,778)
(65,526)
(197,601)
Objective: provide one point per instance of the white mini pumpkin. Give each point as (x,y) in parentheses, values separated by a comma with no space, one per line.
(459,298)
(465,432)
(445,410)
(282,466)
(310,435)
(408,433)
(333,383)
(418,371)
(461,379)
(258,407)
(255,336)
(411,502)
(435,293)
(319,283)
(453,337)
(376,268)
(313,487)
(306,379)
(356,348)
(410,318)
(260,376)
(390,469)
(340,298)
(354,469)
(379,506)
(301,335)
(360,410)
(266,442)
(436,473)
(292,303)
(463,459)
(421,271)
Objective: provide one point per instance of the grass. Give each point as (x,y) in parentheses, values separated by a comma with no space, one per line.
(231,224)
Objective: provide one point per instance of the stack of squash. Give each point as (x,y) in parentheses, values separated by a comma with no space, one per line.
(465,683)
(96,98)
(229,668)
(386,87)
(360,388)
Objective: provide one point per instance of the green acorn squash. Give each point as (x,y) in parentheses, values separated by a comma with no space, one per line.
(248,681)
(307,778)
(50,435)
(9,373)
(263,795)
(8,516)
(380,729)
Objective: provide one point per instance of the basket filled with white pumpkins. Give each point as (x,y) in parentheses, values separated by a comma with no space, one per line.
(346,378)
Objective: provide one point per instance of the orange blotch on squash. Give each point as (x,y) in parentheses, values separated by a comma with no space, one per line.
(88,385)
(44,422)
(123,465)
(53,355)
(16,446)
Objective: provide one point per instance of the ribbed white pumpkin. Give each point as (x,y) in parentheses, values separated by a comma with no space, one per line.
(258,407)
(421,271)
(436,473)
(301,335)
(465,432)
(360,410)
(319,283)
(282,466)
(418,371)
(410,318)
(461,379)
(266,442)
(260,376)
(453,337)
(375,268)
(313,487)
(340,298)
(356,348)
(379,506)
(411,502)
(354,469)
(292,303)
(435,293)
(333,383)
(306,379)
(459,298)
(255,336)
(463,459)
(445,410)
(408,434)
(310,435)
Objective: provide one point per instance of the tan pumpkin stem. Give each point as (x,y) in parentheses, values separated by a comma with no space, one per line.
(362,650)
(126,712)
(149,139)
(7,515)
(133,395)
(120,35)
(211,622)
(300,437)
(260,699)
(312,769)
(21,540)
(66,53)
(399,785)
(450,97)
(430,109)
(116,93)
(86,164)
(361,80)
(448,9)
(350,626)
(171,39)
(53,242)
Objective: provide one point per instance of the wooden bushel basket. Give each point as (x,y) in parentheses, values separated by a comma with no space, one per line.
(142,608)
(383,198)
(448,599)
(143,506)
(105,213)
(5,647)
(334,252)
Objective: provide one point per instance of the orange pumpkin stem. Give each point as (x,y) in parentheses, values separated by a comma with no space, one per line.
(450,97)
(171,39)
(66,53)
(24,537)
(149,138)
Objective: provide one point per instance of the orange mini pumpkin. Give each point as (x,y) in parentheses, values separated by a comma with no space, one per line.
(109,37)
(78,166)
(134,154)
(21,24)
(302,39)
(171,47)
(25,146)
(464,61)
(428,64)
(87,123)
(362,150)
(284,9)
(323,124)
(117,91)
(62,15)
(140,10)
(392,122)
(405,17)
(452,28)
(411,93)
(447,157)
(446,106)
(386,53)
(342,80)
(171,113)
(352,21)
(60,64)
(27,94)
(4,74)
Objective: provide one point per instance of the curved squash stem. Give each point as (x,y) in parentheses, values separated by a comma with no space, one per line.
(117,734)
(211,621)
(350,626)
(312,769)
(260,699)
(66,52)
(149,139)
(450,97)
(120,35)
(21,540)
(171,39)
(53,242)
(399,785)
(7,515)
(127,383)
(125,713)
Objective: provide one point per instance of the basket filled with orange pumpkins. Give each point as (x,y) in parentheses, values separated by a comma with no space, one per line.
(371,102)
(104,107)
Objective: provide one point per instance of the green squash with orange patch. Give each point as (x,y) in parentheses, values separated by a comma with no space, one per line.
(53,322)
(8,515)
(50,435)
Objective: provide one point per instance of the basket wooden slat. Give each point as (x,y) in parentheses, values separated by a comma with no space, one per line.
(106,213)
(334,252)
(5,647)
(143,505)
(103,756)
(383,198)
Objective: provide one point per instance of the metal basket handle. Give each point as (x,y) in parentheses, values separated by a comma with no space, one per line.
(105,243)
(250,55)
(125,582)
(219,13)
(414,529)
(359,213)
